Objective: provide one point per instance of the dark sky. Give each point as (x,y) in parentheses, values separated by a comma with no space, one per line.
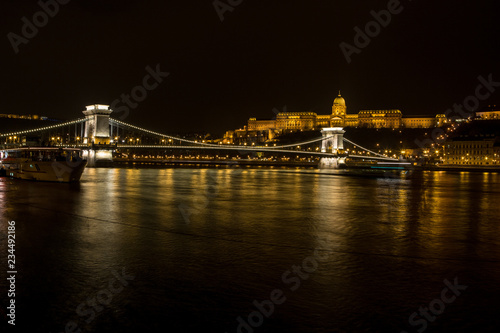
(264,55)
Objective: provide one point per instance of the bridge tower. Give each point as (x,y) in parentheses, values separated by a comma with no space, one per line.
(333,141)
(97,124)
(96,135)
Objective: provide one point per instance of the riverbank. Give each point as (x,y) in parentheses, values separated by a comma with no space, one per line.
(472,168)
(148,163)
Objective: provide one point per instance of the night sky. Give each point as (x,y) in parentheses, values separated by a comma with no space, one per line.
(264,55)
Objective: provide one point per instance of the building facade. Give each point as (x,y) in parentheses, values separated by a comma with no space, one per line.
(380,118)
(473,151)
(423,121)
(489,113)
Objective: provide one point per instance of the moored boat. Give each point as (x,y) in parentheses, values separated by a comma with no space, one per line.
(43,164)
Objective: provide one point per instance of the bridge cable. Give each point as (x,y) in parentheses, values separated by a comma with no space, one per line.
(77,121)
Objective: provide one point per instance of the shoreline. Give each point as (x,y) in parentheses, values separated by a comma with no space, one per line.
(462,168)
(154,164)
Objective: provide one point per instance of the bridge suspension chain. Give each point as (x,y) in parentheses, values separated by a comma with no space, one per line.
(118,122)
(77,121)
(368,150)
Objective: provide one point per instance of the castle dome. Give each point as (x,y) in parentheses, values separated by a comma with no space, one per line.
(339,100)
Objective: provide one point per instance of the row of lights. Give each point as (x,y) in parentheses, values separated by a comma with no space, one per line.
(158,134)
(43,128)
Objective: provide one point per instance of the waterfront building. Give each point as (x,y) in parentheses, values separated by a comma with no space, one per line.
(475,151)
(477,143)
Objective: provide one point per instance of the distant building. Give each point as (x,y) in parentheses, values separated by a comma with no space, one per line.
(245,136)
(340,118)
(423,121)
(261,125)
(304,121)
(21,116)
(380,118)
(489,113)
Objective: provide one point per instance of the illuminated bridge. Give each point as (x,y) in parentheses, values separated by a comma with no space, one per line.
(102,137)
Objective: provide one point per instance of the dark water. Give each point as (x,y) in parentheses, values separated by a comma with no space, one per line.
(199,246)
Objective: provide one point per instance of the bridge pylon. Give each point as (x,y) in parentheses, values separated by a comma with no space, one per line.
(333,141)
(97,134)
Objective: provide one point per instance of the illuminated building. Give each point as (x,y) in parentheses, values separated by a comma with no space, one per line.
(379,118)
(489,113)
(473,151)
(304,121)
(339,112)
(351,120)
(296,121)
(22,116)
(261,125)
(477,143)
(243,135)
(423,121)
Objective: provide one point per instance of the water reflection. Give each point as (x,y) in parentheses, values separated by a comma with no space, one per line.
(391,241)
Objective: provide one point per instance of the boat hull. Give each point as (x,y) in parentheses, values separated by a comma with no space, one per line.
(49,164)
(49,171)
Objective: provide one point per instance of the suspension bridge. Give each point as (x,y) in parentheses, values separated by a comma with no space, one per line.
(100,137)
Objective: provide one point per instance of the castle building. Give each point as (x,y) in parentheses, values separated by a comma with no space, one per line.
(380,118)
(304,121)
(489,113)
(339,112)
(296,121)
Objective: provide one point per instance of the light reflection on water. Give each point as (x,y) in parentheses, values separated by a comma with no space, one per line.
(391,241)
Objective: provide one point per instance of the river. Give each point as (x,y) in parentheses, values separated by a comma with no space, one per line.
(254,250)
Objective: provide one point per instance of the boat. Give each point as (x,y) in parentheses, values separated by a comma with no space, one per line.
(43,164)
